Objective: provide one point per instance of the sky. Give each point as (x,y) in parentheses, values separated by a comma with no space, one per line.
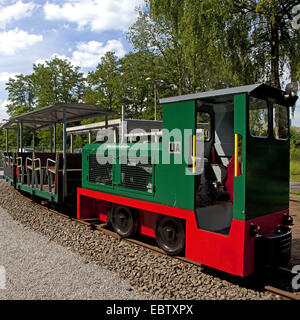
(81,31)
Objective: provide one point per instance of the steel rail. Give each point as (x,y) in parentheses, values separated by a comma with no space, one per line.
(93,226)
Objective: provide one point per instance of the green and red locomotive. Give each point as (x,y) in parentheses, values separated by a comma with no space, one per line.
(214,189)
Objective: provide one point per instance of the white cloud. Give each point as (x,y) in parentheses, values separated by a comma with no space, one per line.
(54,55)
(15,11)
(14,40)
(89,54)
(3,114)
(98,15)
(4,76)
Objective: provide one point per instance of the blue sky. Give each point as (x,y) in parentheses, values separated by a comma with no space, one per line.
(79,30)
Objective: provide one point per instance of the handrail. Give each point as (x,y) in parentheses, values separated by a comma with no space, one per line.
(40,163)
(19,166)
(47,165)
(26,162)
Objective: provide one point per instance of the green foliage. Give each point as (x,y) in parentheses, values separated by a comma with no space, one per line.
(295,166)
(232,42)
(104,83)
(135,68)
(160,38)
(51,83)
(295,140)
(295,153)
(20,95)
(258,117)
(57,82)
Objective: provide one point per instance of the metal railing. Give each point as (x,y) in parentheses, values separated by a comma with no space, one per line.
(8,166)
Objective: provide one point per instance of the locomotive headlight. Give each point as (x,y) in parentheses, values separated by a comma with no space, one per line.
(287,220)
(254,230)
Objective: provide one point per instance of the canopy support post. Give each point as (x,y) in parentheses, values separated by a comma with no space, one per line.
(106,121)
(123,125)
(51,139)
(65,191)
(33,140)
(6,140)
(21,136)
(54,137)
(90,137)
(18,136)
(72,142)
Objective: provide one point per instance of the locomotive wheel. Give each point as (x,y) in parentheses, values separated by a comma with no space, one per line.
(124,221)
(170,235)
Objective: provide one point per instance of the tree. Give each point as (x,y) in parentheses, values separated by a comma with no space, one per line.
(104,83)
(273,31)
(20,95)
(236,41)
(160,38)
(57,82)
(138,93)
(51,83)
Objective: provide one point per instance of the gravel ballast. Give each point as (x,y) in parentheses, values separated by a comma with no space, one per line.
(157,275)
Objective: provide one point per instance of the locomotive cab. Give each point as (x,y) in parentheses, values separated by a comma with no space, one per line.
(243,186)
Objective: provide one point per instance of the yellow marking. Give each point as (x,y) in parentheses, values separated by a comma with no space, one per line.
(194,154)
(236,155)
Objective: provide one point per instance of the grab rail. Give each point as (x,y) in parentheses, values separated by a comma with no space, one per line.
(40,163)
(19,158)
(47,164)
(50,176)
(26,161)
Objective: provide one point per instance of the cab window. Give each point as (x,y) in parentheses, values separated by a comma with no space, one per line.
(281,120)
(204,125)
(258,117)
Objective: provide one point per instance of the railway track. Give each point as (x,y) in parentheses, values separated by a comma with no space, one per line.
(95,225)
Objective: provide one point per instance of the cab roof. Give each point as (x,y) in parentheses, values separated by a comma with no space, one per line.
(226,95)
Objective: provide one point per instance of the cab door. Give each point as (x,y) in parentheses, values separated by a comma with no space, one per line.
(267,178)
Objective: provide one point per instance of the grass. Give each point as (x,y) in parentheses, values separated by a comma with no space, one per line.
(295,194)
(295,164)
(295,167)
(295,177)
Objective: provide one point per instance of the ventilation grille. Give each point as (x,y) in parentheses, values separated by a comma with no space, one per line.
(136,175)
(100,169)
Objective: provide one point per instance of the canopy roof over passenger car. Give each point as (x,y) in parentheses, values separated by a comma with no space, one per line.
(46,117)
(226,95)
(49,117)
